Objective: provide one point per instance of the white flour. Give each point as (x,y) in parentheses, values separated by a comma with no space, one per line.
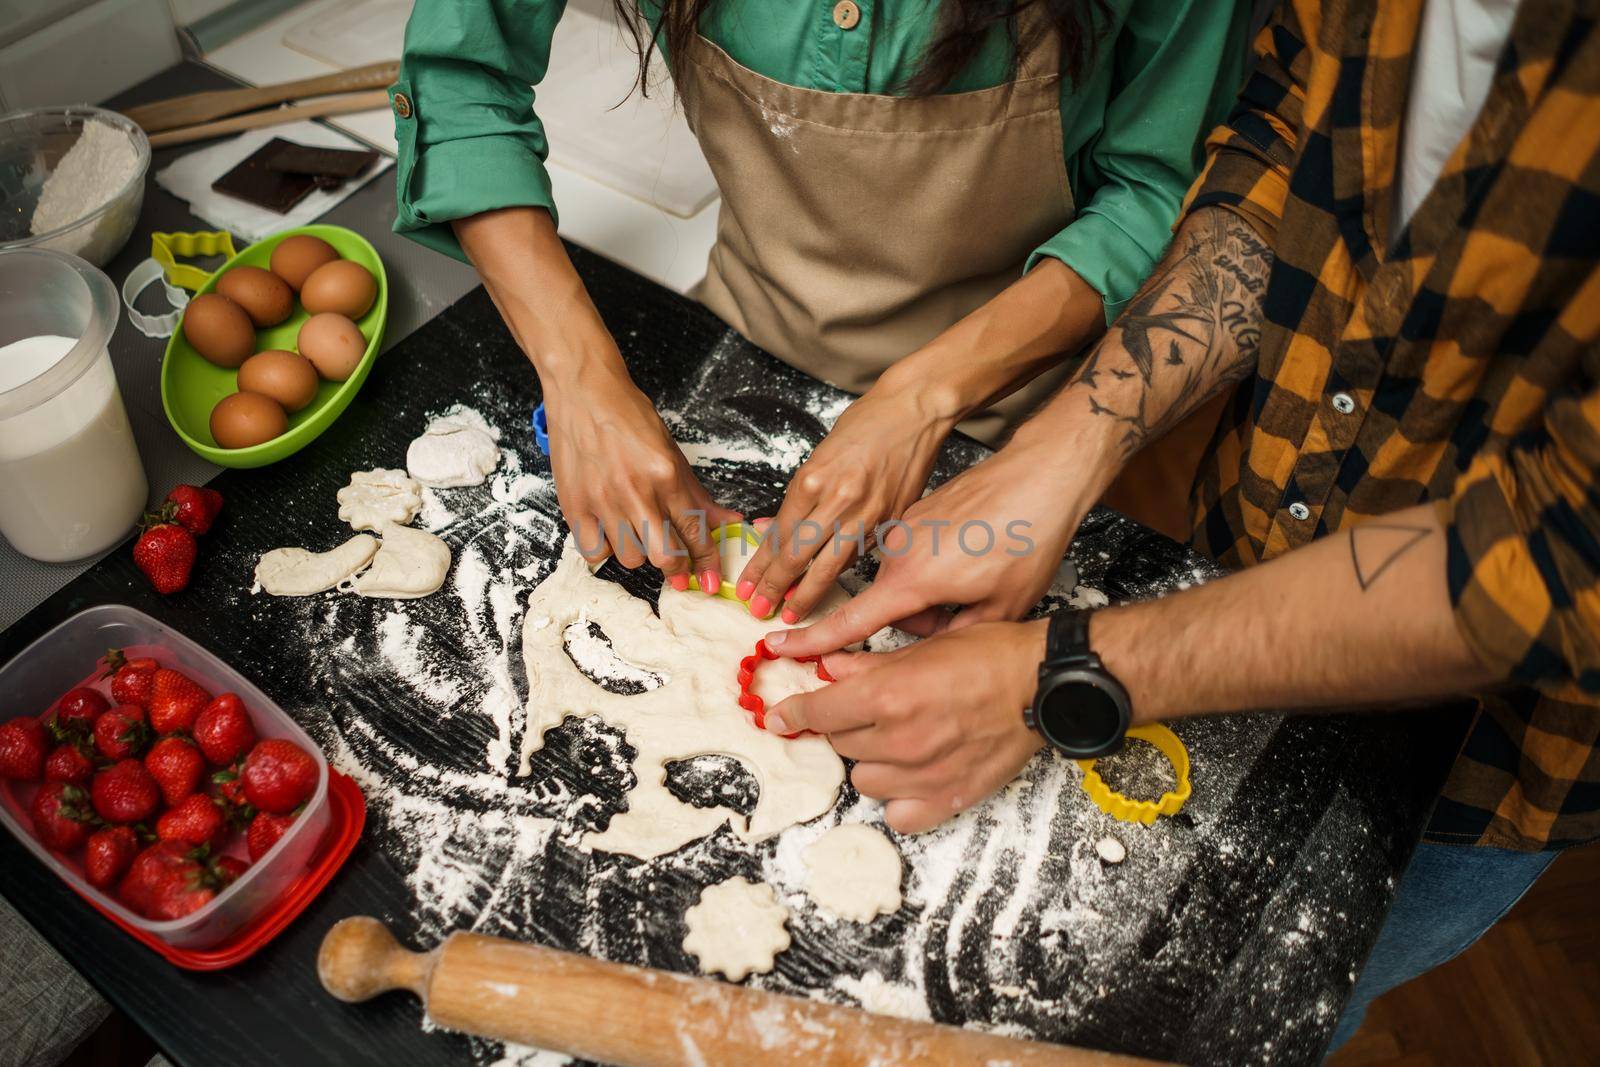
(93,171)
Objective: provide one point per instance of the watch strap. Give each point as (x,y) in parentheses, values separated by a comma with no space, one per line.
(1067,640)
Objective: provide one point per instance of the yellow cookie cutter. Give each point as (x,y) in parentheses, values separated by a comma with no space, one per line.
(730,590)
(165,248)
(1124,809)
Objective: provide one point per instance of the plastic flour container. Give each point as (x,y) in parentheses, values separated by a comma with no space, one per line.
(70,475)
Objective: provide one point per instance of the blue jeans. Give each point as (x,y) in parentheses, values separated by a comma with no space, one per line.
(1449,896)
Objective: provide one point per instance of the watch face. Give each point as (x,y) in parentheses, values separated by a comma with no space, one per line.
(1079,715)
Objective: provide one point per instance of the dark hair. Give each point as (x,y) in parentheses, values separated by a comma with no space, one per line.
(962,26)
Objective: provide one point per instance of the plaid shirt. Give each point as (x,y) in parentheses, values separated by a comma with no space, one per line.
(1468,345)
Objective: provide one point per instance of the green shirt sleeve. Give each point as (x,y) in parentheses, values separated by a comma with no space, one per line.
(1176,68)
(469,140)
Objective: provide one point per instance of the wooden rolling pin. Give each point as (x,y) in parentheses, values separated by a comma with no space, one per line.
(200,107)
(636,1017)
(322,106)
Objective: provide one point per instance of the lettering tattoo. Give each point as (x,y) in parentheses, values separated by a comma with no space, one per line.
(1192,330)
(1374,547)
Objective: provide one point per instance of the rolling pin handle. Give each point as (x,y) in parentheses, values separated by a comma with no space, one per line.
(360,959)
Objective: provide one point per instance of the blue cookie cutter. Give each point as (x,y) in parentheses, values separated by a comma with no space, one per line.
(541,429)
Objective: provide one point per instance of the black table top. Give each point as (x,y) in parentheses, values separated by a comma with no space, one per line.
(1232,933)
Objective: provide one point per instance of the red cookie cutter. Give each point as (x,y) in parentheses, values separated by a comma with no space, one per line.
(747,674)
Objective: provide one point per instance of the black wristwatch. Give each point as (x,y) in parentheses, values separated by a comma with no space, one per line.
(1080,709)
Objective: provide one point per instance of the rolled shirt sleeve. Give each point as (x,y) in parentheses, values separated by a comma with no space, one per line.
(1176,67)
(469,139)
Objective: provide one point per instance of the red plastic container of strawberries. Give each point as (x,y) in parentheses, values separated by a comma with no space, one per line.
(166,789)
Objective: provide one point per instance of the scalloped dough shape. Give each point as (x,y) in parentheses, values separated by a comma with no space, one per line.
(853,871)
(737,928)
(378,496)
(298,572)
(409,564)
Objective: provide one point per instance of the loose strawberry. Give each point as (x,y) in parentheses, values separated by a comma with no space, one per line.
(223,730)
(265,830)
(121,732)
(107,855)
(165,553)
(60,816)
(175,702)
(23,745)
(67,763)
(176,765)
(125,792)
(77,711)
(279,775)
(195,507)
(227,869)
(196,820)
(166,881)
(130,678)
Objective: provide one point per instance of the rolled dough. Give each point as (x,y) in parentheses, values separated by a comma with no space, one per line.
(695,645)
(378,496)
(409,564)
(297,572)
(737,928)
(458,448)
(854,872)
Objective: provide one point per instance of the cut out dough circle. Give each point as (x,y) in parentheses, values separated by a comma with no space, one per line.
(737,928)
(854,872)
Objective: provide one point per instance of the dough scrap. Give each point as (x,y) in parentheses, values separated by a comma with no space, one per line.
(457,449)
(737,928)
(854,872)
(695,646)
(378,496)
(298,572)
(1111,850)
(409,564)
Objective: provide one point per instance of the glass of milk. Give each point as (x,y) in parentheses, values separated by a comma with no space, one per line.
(71,484)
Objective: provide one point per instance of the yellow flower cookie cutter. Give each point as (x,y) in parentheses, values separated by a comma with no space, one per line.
(165,248)
(1124,809)
(730,588)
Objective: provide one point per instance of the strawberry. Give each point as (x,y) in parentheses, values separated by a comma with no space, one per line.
(67,763)
(166,881)
(228,788)
(165,553)
(60,815)
(195,507)
(22,749)
(265,829)
(125,792)
(223,730)
(77,711)
(121,732)
(107,855)
(175,701)
(176,765)
(130,678)
(195,820)
(279,775)
(227,869)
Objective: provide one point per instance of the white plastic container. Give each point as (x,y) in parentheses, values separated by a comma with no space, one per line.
(41,673)
(70,475)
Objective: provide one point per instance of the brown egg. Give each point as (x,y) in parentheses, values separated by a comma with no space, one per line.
(294,258)
(333,344)
(264,296)
(219,330)
(245,419)
(288,378)
(341,286)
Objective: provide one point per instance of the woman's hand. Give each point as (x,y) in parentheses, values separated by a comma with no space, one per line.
(935,727)
(625,487)
(990,540)
(870,468)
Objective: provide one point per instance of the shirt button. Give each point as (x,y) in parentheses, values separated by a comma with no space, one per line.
(846,14)
(1343,403)
(402,105)
(1299,512)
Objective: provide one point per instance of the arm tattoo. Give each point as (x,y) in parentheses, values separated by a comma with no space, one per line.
(1193,329)
(1374,546)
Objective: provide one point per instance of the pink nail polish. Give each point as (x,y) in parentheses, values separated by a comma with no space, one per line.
(711,582)
(787,593)
(744,590)
(789,618)
(680,582)
(760,607)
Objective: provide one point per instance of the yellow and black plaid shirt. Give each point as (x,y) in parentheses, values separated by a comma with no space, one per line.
(1468,345)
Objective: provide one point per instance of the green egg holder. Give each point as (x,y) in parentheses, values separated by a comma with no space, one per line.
(191,386)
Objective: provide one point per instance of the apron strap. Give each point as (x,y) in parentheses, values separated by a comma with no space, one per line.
(1043,60)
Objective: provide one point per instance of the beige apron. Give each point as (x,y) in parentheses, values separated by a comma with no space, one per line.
(856,227)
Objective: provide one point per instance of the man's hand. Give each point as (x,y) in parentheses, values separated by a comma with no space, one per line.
(934,728)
